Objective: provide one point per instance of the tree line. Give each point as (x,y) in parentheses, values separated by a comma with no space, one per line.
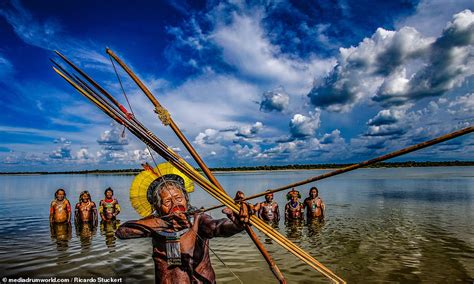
(270,167)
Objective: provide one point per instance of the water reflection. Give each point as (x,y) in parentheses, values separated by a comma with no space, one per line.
(314,227)
(275,225)
(61,233)
(85,232)
(294,229)
(107,229)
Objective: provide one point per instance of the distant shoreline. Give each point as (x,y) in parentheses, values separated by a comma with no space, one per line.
(408,164)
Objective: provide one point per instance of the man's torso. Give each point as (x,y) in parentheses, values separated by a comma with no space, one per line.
(60,210)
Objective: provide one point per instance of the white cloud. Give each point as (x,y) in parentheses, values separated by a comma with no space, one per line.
(276,100)
(330,147)
(141,155)
(209,136)
(395,128)
(305,126)
(63,151)
(245,46)
(431,15)
(399,67)
(113,139)
(249,131)
(463,105)
(387,116)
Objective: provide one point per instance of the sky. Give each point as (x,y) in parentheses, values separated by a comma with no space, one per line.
(249,83)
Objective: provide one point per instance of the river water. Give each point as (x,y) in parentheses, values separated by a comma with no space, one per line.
(382,225)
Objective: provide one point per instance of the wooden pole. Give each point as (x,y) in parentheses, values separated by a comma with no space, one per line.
(165,117)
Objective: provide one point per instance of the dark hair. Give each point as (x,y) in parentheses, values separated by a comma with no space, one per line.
(311,189)
(109,189)
(86,193)
(57,191)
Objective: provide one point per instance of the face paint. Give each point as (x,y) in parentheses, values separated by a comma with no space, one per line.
(178,208)
(172,200)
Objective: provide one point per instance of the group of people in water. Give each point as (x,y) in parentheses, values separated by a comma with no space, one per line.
(181,239)
(294,209)
(86,216)
(85,210)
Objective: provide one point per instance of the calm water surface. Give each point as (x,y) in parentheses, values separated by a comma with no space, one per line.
(382,225)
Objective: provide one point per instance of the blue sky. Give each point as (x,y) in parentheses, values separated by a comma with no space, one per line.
(250,83)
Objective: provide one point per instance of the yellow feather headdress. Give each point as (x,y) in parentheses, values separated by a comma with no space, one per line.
(141,186)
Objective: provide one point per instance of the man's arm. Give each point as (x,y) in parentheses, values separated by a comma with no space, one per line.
(68,208)
(139,228)
(117,208)
(101,211)
(94,214)
(277,213)
(258,209)
(225,227)
(51,212)
(76,213)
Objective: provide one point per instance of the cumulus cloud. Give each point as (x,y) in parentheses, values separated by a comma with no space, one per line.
(112,156)
(141,155)
(399,67)
(385,130)
(331,146)
(209,136)
(113,139)
(305,126)
(449,63)
(62,140)
(431,15)
(331,138)
(386,116)
(63,151)
(248,131)
(393,129)
(276,100)
(212,136)
(84,155)
(463,105)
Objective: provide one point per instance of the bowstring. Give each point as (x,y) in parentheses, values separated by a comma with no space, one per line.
(216,255)
(161,176)
(130,107)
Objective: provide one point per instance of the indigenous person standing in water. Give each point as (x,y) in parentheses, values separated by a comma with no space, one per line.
(86,210)
(314,205)
(294,210)
(180,242)
(109,207)
(268,210)
(60,209)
